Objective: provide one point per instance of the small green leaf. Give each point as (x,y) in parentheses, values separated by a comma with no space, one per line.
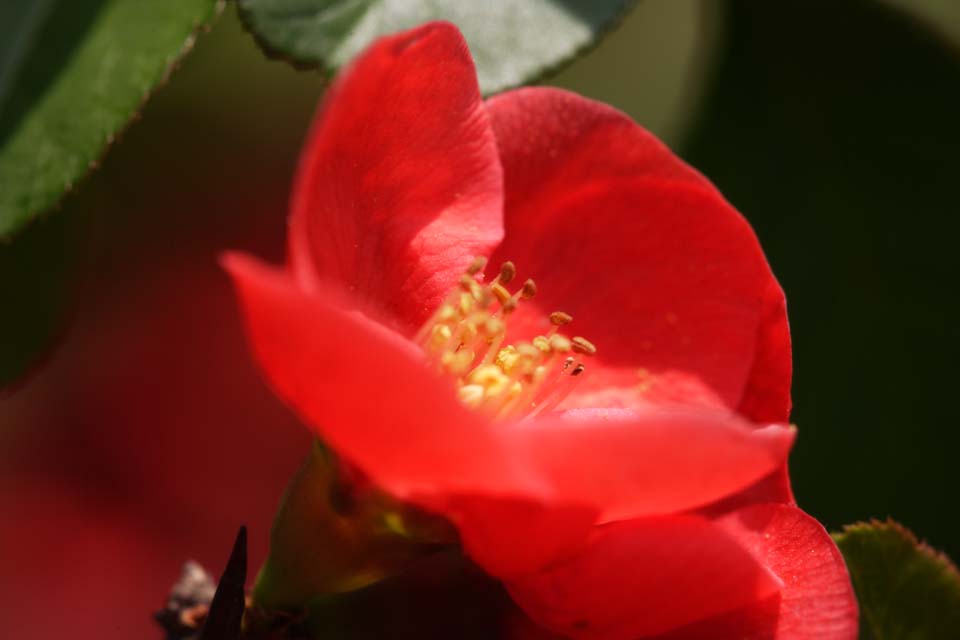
(72,75)
(906,589)
(512,41)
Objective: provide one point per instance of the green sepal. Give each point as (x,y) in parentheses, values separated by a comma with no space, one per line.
(335,532)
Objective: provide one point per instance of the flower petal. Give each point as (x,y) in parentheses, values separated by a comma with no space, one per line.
(774,487)
(642,577)
(766,397)
(367,392)
(816,602)
(399,184)
(512,537)
(652,462)
(658,270)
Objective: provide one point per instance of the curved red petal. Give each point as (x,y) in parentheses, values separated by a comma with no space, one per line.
(512,537)
(367,392)
(774,487)
(766,397)
(399,184)
(816,602)
(657,269)
(642,577)
(652,462)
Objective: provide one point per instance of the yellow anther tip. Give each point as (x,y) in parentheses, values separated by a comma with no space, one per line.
(542,343)
(471,395)
(477,265)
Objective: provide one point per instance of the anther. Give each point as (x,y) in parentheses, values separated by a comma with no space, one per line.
(467,283)
(466,303)
(508,272)
(582,345)
(440,335)
(500,293)
(493,326)
(466,334)
(559,318)
(471,395)
(529,290)
(476,266)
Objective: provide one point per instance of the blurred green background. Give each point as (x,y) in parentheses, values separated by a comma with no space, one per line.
(834,126)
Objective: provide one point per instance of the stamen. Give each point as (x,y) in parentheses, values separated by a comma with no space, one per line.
(582,345)
(500,293)
(465,339)
(559,318)
(476,266)
(469,284)
(508,271)
(560,392)
(529,290)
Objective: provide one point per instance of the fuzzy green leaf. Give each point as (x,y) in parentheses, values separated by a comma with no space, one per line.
(907,591)
(512,41)
(72,75)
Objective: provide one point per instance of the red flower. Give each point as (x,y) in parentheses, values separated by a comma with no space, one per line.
(617,495)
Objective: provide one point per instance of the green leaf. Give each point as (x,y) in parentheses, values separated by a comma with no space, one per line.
(906,589)
(512,41)
(72,75)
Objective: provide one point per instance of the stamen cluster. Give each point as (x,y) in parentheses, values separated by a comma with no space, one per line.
(465,338)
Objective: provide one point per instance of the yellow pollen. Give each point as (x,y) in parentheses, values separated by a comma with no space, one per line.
(467,341)
(440,335)
(494,327)
(542,343)
(471,395)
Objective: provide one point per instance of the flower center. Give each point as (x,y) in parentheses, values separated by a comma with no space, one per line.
(465,339)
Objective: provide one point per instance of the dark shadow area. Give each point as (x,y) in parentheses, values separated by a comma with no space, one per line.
(36,281)
(48,56)
(834,128)
(443,596)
